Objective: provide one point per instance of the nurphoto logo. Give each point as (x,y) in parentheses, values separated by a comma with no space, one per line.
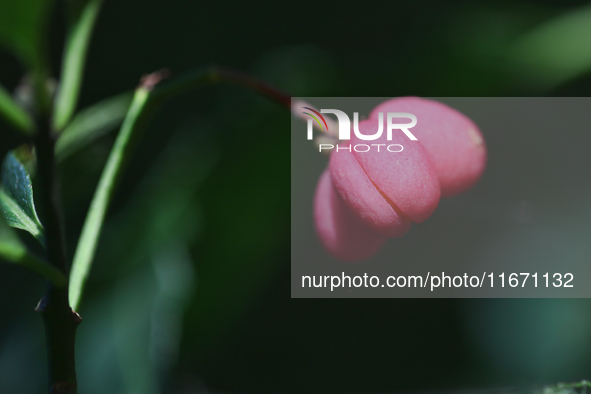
(344,129)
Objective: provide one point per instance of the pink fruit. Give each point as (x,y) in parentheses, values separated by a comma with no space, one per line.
(452,141)
(370,193)
(339,232)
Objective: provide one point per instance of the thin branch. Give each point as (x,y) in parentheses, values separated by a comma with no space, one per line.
(212,75)
(59,319)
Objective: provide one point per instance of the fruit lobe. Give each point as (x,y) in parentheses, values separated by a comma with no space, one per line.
(454,144)
(406,178)
(339,232)
(362,198)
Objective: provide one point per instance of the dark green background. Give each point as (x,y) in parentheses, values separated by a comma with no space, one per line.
(212,175)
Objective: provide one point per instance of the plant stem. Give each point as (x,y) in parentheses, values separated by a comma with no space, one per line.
(59,319)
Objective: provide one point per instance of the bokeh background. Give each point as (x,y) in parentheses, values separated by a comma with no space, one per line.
(190,291)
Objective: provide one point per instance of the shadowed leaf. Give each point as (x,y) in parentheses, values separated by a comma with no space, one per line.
(12,250)
(16,198)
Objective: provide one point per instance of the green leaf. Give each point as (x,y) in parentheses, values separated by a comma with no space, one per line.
(14,113)
(16,198)
(83,14)
(95,218)
(12,250)
(21,24)
(92,123)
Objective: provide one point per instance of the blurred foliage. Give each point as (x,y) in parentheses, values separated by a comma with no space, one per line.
(567,388)
(190,290)
(21,24)
(555,52)
(92,123)
(81,18)
(13,113)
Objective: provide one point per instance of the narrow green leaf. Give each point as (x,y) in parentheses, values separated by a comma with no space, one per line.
(95,218)
(14,113)
(21,25)
(76,47)
(92,123)
(12,250)
(16,198)
(143,101)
